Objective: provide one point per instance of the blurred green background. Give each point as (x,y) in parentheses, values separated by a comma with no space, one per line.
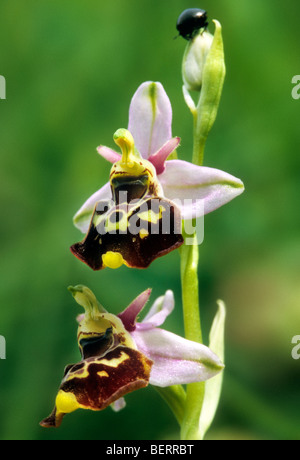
(71,69)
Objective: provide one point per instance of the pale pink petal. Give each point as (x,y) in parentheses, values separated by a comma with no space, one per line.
(159,311)
(176,360)
(83,217)
(150,118)
(129,315)
(158,158)
(198,189)
(118,405)
(109,154)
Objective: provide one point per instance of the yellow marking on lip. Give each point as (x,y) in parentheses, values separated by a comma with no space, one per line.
(115,362)
(79,374)
(103,374)
(121,224)
(66,402)
(143,234)
(151,216)
(112,259)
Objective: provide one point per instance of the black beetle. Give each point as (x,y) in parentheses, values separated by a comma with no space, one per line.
(191,21)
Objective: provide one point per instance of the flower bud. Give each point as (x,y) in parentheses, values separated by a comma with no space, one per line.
(204,71)
(194,59)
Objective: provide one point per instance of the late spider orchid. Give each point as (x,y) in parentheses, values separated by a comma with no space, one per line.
(197,190)
(120,355)
(138,224)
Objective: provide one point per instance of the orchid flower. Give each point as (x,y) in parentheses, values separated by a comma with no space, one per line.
(138,225)
(120,355)
(196,189)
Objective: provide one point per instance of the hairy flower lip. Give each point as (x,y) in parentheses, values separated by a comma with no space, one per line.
(150,119)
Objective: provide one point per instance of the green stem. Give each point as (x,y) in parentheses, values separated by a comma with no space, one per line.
(191,313)
(199,142)
(190,291)
(204,115)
